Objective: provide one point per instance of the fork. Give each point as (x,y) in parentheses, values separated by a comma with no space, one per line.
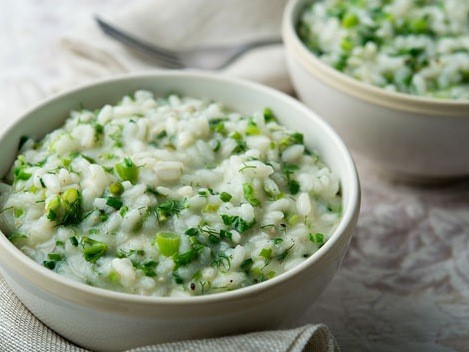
(209,58)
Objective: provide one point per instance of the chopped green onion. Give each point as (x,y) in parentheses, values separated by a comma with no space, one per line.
(74,241)
(123,210)
(18,212)
(15,237)
(210,208)
(193,231)
(248,190)
(179,280)
(213,239)
(66,209)
(168,243)
(241,146)
(127,170)
(116,203)
(182,259)
(269,115)
(148,267)
(55,256)
(350,20)
(252,129)
(49,264)
(247,264)
(93,250)
(266,253)
(317,238)
(294,138)
(225,197)
(20,174)
(293,187)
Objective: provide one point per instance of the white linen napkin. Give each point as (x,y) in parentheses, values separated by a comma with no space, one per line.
(20,331)
(176,24)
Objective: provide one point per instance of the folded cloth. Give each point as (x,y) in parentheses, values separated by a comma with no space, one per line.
(20,331)
(177,24)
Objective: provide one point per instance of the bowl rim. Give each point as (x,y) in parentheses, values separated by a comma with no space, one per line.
(58,285)
(354,87)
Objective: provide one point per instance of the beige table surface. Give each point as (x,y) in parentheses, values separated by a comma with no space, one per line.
(404,284)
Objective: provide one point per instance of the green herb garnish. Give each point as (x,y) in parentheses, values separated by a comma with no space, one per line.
(238,223)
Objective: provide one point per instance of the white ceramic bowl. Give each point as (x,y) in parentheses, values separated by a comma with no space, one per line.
(107,321)
(405,136)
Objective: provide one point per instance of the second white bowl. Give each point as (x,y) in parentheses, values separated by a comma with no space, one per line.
(405,136)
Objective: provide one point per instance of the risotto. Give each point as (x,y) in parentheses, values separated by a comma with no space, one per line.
(419,47)
(169,196)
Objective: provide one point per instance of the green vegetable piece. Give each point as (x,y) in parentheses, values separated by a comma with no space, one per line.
(341,63)
(247,264)
(248,190)
(293,187)
(210,208)
(179,280)
(252,129)
(213,239)
(127,170)
(70,196)
(218,125)
(293,219)
(168,243)
(18,212)
(269,115)
(346,45)
(193,231)
(66,209)
(114,277)
(419,25)
(266,253)
(93,250)
(148,267)
(55,256)
(16,237)
(225,197)
(350,20)
(294,138)
(116,188)
(74,241)
(49,264)
(114,202)
(123,210)
(53,208)
(20,174)
(317,238)
(241,145)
